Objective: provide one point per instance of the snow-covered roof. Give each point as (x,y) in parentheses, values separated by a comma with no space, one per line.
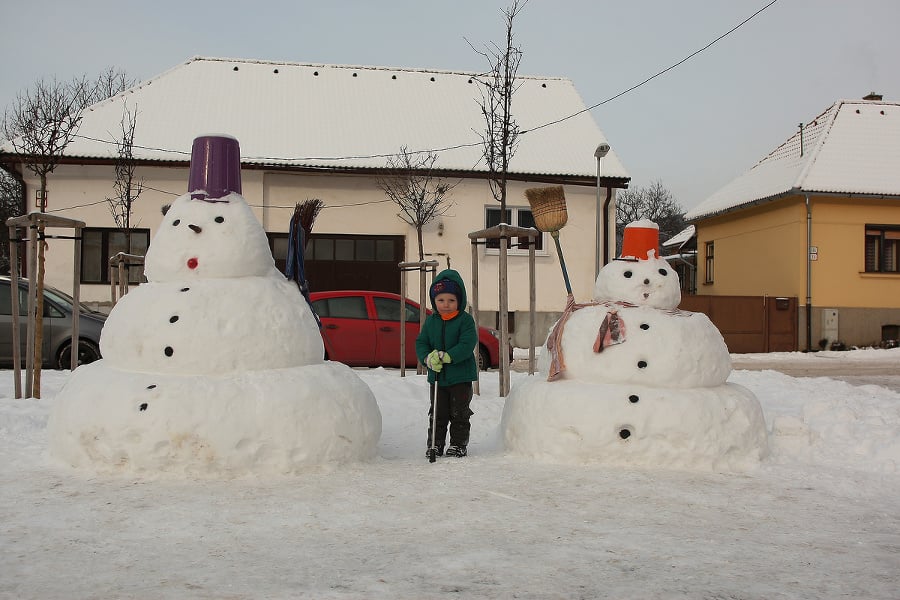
(680,238)
(851,148)
(340,116)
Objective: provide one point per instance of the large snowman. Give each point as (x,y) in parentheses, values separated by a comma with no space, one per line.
(215,366)
(630,380)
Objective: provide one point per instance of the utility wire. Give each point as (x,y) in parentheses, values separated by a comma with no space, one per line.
(472,144)
(652,77)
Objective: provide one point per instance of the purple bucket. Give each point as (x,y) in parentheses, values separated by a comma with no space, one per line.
(215,167)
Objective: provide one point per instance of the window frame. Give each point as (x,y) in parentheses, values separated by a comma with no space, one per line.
(709,262)
(493,246)
(886,240)
(135,272)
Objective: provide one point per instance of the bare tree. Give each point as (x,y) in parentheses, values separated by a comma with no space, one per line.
(410,182)
(655,203)
(127,186)
(500,136)
(499,141)
(41,123)
(109,83)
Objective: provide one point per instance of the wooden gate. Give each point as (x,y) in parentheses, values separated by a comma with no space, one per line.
(750,323)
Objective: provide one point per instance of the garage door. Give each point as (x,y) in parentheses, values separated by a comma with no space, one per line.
(347,262)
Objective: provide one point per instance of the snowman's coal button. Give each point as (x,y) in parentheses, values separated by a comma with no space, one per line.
(644,326)
(627,274)
(185,289)
(169,351)
(642,364)
(143,406)
(625,432)
(173,318)
(220,219)
(151,386)
(633,398)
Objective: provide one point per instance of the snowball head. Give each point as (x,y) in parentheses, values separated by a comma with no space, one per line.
(651,282)
(719,428)
(279,421)
(208,239)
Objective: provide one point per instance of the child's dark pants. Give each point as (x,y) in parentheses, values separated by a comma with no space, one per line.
(453,409)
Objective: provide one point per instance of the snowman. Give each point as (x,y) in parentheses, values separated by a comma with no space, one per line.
(630,380)
(215,366)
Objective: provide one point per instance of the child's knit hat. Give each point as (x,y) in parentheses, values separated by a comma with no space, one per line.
(445,286)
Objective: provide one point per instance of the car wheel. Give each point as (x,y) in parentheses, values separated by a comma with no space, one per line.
(88,352)
(484,359)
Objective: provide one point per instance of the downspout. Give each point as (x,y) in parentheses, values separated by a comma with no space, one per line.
(606,227)
(808,275)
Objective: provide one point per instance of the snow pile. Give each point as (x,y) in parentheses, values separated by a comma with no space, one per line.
(817,519)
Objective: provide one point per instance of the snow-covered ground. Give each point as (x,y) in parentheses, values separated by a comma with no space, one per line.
(819,519)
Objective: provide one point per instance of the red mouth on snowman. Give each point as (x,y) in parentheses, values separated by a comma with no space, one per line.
(192,263)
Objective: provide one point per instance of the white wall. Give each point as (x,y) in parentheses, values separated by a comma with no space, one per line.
(353,204)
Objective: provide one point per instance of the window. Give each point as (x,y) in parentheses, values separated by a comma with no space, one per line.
(101,243)
(325,247)
(518,217)
(710,261)
(388,309)
(882,248)
(347,307)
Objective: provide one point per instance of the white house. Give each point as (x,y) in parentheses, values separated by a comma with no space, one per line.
(326,131)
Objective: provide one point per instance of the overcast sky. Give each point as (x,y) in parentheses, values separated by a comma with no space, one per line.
(694,128)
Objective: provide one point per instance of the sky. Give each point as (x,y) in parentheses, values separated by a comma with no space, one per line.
(819,518)
(694,128)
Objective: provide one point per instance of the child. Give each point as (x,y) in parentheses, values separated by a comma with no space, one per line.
(446,345)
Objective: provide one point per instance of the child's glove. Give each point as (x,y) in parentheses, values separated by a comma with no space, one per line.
(436,359)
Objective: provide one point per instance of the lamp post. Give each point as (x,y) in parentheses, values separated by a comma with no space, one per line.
(602,240)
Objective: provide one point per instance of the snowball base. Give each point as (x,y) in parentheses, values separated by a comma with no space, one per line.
(714,428)
(275,421)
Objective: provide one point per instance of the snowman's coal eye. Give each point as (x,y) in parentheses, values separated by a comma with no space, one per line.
(628,274)
(176,222)
(663,272)
(220,219)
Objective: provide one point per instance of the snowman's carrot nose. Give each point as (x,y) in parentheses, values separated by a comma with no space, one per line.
(196,228)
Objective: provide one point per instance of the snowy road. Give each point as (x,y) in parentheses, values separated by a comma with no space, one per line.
(820,519)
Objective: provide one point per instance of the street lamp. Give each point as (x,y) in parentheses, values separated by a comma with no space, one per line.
(602,207)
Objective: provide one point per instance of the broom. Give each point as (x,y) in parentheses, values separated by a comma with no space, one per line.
(548,206)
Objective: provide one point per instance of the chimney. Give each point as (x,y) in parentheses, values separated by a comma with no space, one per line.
(872,96)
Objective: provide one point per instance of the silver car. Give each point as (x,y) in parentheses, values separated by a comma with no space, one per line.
(57,342)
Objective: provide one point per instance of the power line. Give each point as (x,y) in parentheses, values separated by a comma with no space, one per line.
(472,144)
(654,76)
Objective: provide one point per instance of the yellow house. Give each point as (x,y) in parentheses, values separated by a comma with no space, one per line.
(817,219)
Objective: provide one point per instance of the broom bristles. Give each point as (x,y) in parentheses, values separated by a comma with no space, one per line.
(548,206)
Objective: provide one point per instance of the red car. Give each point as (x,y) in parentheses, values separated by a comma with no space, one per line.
(361,328)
